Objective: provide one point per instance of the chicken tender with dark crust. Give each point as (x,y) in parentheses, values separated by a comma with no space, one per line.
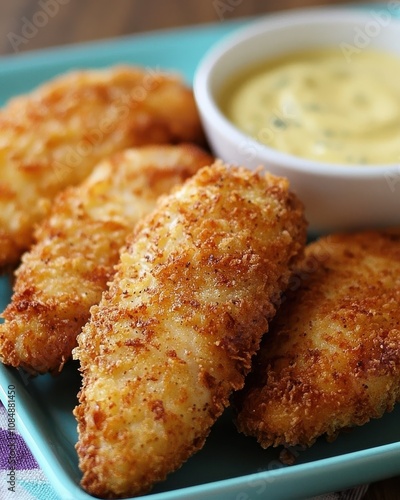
(175,333)
(68,268)
(332,357)
(54,136)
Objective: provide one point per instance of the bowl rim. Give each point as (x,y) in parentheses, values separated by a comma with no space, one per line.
(270,22)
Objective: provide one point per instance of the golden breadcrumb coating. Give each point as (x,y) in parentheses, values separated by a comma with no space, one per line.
(65,272)
(53,137)
(175,333)
(331,359)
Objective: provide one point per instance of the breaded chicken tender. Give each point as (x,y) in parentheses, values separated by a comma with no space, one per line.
(53,137)
(68,268)
(331,359)
(174,335)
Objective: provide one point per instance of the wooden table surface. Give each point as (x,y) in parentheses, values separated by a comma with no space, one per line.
(71,21)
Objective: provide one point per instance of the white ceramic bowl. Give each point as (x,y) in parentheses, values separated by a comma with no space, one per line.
(336,197)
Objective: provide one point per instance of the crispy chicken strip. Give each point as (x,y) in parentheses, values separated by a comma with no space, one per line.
(332,357)
(175,333)
(53,137)
(65,272)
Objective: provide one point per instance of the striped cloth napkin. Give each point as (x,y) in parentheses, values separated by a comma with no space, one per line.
(20,474)
(26,480)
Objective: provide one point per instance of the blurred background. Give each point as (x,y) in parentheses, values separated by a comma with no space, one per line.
(35,24)
(27,25)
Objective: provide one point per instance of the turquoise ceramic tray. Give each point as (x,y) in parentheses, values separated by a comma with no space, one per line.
(230,466)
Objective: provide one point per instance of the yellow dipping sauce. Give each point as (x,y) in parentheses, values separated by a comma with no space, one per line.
(319,105)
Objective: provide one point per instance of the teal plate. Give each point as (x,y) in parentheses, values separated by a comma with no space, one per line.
(230,466)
